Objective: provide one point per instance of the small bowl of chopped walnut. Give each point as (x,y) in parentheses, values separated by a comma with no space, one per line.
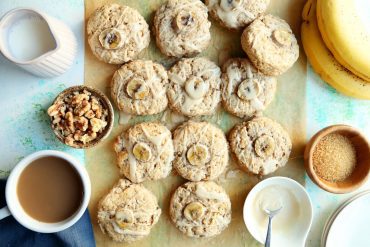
(81,116)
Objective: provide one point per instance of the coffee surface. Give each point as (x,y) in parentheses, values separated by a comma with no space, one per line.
(50,189)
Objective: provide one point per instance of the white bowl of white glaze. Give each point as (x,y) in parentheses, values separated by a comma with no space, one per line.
(292,226)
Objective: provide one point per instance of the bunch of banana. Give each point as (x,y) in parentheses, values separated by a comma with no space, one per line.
(332,69)
(345,34)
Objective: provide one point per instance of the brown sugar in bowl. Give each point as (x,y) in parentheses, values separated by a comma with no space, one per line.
(361,170)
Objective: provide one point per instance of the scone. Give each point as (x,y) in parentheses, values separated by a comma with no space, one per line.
(201,151)
(145,152)
(181,28)
(270,44)
(117,33)
(139,88)
(236,14)
(128,212)
(245,91)
(194,87)
(260,146)
(200,209)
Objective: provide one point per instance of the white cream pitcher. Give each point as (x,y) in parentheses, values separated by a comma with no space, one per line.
(37,42)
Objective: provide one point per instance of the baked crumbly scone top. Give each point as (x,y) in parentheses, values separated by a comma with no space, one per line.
(270,44)
(194,86)
(117,33)
(200,209)
(145,152)
(201,151)
(260,145)
(182,28)
(128,212)
(236,14)
(139,88)
(245,91)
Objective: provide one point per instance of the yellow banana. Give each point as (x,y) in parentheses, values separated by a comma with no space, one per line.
(345,34)
(323,61)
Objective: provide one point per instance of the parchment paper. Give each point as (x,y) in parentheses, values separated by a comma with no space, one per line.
(288,108)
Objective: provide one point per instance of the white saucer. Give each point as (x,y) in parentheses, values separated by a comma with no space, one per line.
(295,235)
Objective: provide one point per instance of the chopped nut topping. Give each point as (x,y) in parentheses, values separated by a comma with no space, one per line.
(77,99)
(82,108)
(90,114)
(97,124)
(81,123)
(79,117)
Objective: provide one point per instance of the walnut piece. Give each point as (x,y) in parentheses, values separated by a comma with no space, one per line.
(77,99)
(82,108)
(81,123)
(97,124)
(90,114)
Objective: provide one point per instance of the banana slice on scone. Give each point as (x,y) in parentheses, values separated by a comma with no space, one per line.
(260,146)
(117,33)
(181,28)
(128,212)
(245,91)
(270,44)
(201,151)
(236,14)
(139,88)
(194,87)
(200,209)
(145,152)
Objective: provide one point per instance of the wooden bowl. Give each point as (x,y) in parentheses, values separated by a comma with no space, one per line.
(106,104)
(361,171)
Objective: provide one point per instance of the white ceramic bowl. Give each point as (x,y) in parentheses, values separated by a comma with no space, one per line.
(15,207)
(294,235)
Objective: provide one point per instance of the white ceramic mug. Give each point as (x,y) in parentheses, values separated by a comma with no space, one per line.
(54,61)
(14,207)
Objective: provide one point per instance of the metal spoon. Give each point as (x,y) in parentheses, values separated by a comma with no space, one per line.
(271,214)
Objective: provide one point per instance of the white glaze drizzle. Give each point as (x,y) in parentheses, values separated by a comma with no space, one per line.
(202,192)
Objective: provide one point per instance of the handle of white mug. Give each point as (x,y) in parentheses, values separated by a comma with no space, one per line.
(4,212)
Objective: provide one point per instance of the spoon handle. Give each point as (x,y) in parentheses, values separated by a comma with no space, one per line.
(268,235)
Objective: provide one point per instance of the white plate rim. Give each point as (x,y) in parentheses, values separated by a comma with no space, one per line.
(336,213)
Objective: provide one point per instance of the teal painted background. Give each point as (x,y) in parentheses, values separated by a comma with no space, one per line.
(325,106)
(25,98)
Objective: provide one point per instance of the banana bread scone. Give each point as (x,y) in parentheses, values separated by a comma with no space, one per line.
(201,151)
(260,146)
(245,91)
(181,28)
(145,152)
(128,212)
(194,87)
(117,33)
(139,88)
(270,44)
(236,14)
(200,209)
